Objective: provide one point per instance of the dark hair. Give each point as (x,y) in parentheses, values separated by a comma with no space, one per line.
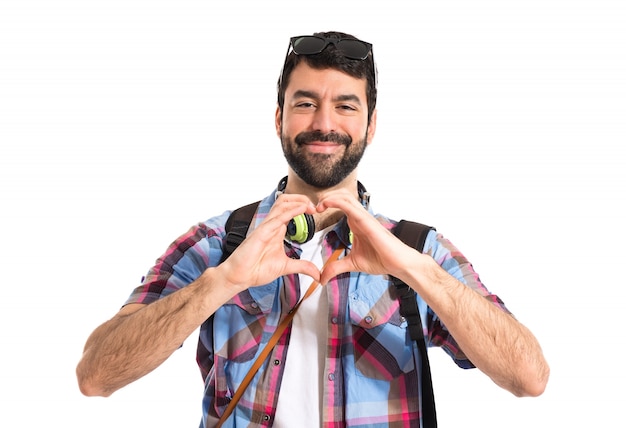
(330,57)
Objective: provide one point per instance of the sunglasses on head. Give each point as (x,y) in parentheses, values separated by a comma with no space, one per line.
(350,48)
(311,45)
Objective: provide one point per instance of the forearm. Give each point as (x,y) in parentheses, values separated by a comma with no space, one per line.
(492,339)
(138,339)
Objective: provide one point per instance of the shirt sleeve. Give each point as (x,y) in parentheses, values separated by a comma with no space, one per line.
(183,262)
(455,263)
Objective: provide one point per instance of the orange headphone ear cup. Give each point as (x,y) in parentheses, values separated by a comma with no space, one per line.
(301,228)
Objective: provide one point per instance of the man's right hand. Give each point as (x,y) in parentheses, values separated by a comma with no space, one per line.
(261,257)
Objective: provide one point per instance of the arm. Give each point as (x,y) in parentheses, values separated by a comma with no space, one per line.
(493,340)
(141,337)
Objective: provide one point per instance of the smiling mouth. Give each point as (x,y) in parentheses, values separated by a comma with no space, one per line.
(319,138)
(323,147)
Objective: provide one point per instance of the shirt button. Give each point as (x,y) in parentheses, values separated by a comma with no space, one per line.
(254,305)
(266,417)
(331,376)
(276,362)
(368,319)
(334,320)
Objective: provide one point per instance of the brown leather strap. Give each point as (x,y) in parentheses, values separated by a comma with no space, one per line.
(270,345)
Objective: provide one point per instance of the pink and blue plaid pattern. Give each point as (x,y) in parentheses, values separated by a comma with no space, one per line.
(370,373)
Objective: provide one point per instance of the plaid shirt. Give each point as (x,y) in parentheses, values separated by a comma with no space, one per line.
(371,375)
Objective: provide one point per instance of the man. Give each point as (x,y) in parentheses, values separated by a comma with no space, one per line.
(344,359)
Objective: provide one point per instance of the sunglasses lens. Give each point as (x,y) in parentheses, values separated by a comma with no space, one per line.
(354,49)
(308,45)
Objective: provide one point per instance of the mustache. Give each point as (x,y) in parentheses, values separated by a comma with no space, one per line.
(331,137)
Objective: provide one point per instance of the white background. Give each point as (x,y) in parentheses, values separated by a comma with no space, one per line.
(122,123)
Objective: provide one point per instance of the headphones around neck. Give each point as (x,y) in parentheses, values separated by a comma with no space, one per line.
(302,227)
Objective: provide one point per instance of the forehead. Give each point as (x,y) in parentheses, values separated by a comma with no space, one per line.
(326,81)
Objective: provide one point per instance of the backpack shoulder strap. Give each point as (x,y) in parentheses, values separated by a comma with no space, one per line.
(237,227)
(414,234)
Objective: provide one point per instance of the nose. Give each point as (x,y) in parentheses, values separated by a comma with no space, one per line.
(324,120)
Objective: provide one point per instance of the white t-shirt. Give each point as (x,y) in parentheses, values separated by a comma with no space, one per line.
(299,400)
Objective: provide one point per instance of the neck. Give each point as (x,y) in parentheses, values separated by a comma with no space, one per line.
(327,218)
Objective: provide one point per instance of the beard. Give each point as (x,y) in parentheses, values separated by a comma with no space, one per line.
(318,169)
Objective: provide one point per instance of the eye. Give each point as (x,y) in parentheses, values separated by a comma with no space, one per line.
(347,109)
(305,105)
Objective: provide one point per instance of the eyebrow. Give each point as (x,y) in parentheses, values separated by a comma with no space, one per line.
(301,93)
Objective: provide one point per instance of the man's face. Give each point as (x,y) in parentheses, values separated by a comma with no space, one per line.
(323,128)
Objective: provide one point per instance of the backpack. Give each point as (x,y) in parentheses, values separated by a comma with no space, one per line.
(412,234)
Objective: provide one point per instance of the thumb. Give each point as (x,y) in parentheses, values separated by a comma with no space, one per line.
(333,269)
(305,267)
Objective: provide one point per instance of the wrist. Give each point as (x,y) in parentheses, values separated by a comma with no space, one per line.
(216,287)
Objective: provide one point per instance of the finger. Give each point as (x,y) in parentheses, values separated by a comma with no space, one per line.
(291,206)
(342,201)
(304,267)
(279,217)
(337,199)
(291,198)
(335,268)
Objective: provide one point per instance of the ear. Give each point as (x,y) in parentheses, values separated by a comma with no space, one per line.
(371,128)
(278,120)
